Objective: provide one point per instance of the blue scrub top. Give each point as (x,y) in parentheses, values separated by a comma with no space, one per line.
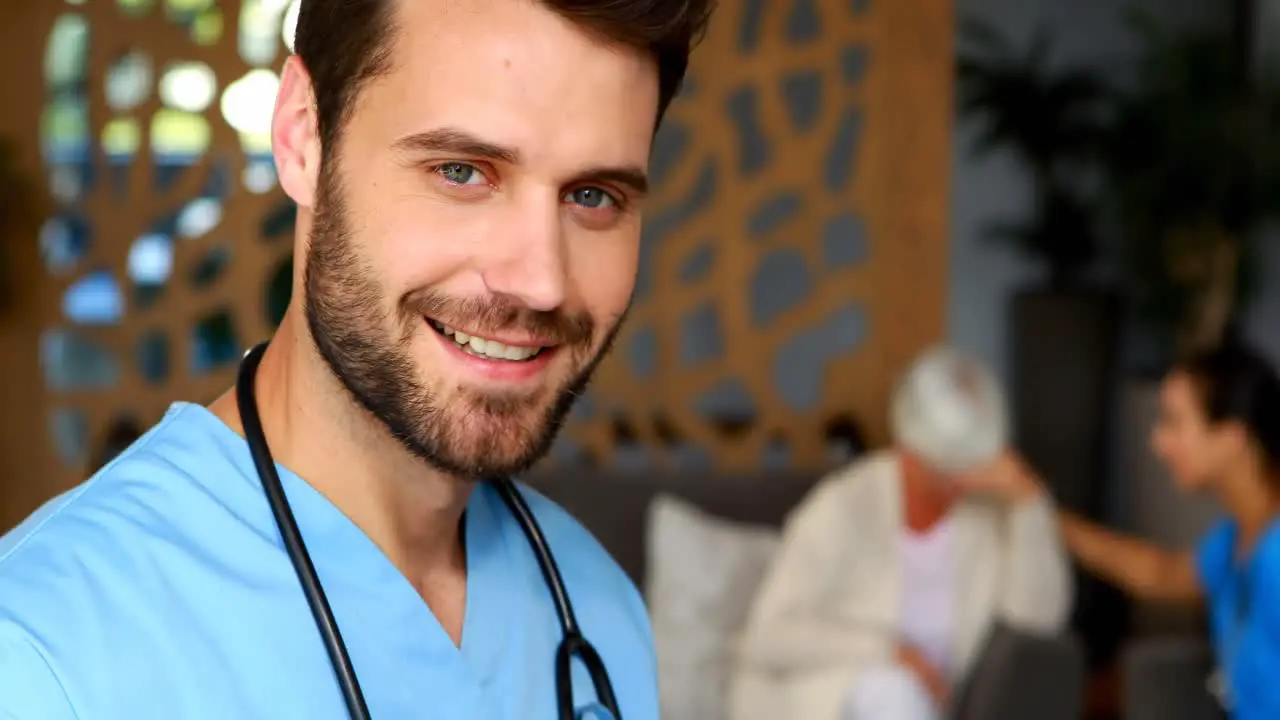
(1244,617)
(160,590)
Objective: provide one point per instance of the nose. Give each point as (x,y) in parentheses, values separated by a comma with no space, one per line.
(529,265)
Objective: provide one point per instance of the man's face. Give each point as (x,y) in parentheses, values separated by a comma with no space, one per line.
(474,236)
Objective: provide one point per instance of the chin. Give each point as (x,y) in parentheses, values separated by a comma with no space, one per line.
(483,441)
(1189,483)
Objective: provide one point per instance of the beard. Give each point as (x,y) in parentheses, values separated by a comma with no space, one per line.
(477,434)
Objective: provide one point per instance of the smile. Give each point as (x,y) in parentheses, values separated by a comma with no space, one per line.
(485,348)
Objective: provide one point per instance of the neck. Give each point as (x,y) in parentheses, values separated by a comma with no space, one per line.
(412,512)
(1249,497)
(924,502)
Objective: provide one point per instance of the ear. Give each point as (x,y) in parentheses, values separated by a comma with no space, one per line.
(295,135)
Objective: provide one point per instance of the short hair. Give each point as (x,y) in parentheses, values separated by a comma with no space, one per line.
(346,43)
(949,410)
(1237,383)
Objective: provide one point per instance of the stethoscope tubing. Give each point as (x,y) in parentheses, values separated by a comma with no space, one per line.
(246,398)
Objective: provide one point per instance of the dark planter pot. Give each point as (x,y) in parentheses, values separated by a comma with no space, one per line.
(1065,368)
(1065,348)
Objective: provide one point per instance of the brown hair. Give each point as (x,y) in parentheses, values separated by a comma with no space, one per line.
(346,43)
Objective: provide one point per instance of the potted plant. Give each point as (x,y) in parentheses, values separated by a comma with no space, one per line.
(1191,174)
(1192,165)
(1064,333)
(1052,122)
(1063,329)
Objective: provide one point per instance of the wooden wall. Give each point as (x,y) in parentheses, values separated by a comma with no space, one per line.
(794,258)
(798,255)
(28,471)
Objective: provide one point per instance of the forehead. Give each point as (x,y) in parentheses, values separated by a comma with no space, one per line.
(516,73)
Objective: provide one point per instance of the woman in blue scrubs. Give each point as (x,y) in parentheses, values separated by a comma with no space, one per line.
(1218,432)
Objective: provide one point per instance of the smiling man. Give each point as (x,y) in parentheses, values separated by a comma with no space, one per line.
(470,176)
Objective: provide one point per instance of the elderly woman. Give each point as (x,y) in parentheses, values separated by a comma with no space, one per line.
(894,570)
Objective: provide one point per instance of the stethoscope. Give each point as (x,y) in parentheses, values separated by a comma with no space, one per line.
(572,643)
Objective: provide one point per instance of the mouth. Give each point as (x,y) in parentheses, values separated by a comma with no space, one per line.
(487,349)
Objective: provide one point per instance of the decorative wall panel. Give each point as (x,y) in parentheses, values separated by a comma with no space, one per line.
(794,257)
(792,261)
(155,137)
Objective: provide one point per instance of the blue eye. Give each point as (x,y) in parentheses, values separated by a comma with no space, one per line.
(460,173)
(590,197)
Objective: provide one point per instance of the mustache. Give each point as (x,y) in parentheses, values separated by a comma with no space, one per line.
(493,315)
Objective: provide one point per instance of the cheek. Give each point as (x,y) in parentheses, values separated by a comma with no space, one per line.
(411,242)
(603,269)
(409,237)
(1182,455)
(1168,446)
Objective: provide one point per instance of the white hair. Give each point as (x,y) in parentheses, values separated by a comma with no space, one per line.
(949,410)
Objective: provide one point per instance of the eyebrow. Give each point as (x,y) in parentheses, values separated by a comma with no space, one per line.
(460,142)
(632,177)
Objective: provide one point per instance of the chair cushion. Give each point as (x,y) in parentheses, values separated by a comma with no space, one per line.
(614,506)
(702,576)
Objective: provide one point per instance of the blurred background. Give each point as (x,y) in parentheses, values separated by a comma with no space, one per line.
(1073,191)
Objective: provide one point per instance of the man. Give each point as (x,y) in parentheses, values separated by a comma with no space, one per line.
(469,176)
(894,570)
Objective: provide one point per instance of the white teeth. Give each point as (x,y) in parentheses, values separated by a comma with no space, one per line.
(487,348)
(498,351)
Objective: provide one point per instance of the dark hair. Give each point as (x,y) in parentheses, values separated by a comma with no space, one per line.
(346,43)
(122,433)
(844,435)
(1236,383)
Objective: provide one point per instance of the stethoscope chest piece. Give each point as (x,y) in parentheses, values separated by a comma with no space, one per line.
(595,711)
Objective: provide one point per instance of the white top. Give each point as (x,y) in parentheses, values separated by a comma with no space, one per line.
(830,605)
(928,592)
